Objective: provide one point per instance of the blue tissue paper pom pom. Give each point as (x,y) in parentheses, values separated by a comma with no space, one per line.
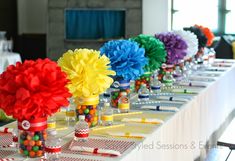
(127,58)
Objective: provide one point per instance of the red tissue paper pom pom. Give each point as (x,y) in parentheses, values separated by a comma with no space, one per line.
(33,89)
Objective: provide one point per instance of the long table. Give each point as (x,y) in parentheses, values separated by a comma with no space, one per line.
(185,135)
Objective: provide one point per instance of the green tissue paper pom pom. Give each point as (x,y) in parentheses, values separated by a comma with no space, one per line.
(154,51)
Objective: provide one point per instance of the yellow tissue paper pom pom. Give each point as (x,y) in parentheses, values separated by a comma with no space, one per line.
(87,71)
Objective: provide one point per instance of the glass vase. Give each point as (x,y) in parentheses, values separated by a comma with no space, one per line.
(32,135)
(117,88)
(144,79)
(88,106)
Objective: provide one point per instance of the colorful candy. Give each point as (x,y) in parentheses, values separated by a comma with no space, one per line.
(90,114)
(145,79)
(32,143)
(115,95)
(32,154)
(35,148)
(36,137)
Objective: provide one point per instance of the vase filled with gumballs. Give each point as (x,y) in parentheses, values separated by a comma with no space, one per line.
(155,53)
(89,74)
(32,91)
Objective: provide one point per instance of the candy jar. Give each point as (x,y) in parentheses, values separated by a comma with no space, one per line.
(144,79)
(107,115)
(155,84)
(88,106)
(117,87)
(32,136)
(52,146)
(124,103)
(81,129)
(143,93)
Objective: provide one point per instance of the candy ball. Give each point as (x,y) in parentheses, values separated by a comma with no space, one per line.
(39,153)
(83,107)
(92,112)
(29,137)
(23,136)
(26,152)
(22,146)
(39,143)
(93,123)
(21,151)
(21,141)
(78,107)
(26,142)
(89,117)
(35,148)
(86,111)
(80,111)
(29,148)
(95,119)
(36,137)
(31,142)
(32,154)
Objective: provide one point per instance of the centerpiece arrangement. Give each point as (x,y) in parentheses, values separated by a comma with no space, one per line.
(155,53)
(202,39)
(89,74)
(191,41)
(176,49)
(30,92)
(128,61)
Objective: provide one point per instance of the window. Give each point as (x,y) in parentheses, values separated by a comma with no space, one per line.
(218,15)
(93,24)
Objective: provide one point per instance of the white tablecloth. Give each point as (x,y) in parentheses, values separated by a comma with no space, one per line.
(8,58)
(183,136)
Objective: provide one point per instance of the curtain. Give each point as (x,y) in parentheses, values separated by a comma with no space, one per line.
(94,24)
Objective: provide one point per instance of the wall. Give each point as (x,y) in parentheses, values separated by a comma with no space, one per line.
(156,16)
(32,16)
(57,45)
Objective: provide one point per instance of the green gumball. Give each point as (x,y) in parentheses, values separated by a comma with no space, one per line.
(26,152)
(36,137)
(35,148)
(86,111)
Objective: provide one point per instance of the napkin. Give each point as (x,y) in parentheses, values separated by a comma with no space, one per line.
(95,150)
(170,98)
(160,108)
(193,84)
(143,120)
